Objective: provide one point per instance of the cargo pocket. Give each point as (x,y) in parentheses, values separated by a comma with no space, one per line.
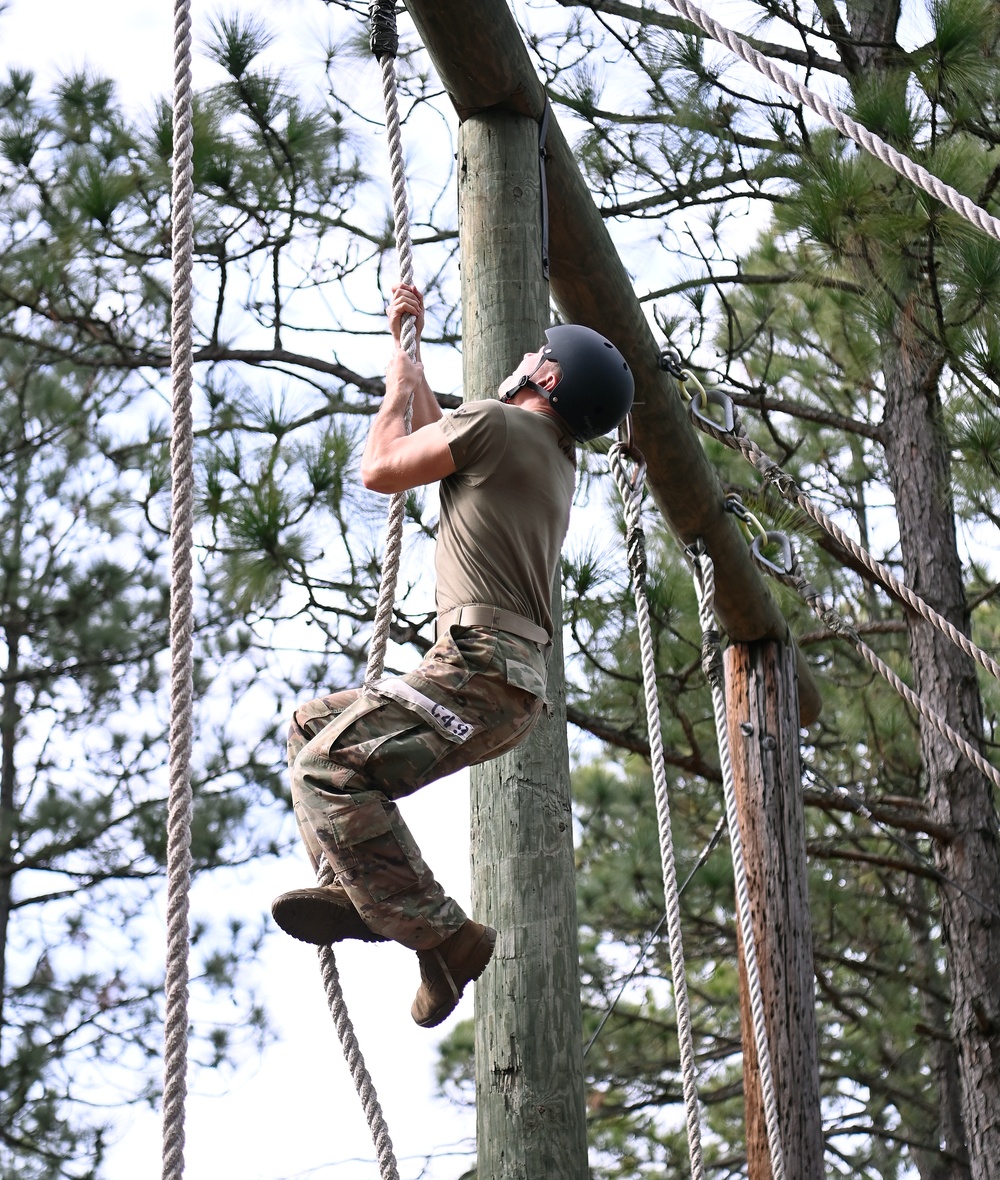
(373,853)
(356,819)
(395,746)
(446,661)
(475,646)
(526,676)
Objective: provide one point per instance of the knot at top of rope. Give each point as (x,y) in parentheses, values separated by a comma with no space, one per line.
(711,657)
(383,37)
(773,474)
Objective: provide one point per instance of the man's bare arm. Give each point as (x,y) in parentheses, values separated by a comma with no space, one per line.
(393,460)
(407,300)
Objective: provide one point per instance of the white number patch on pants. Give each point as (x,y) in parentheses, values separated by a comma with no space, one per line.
(445,721)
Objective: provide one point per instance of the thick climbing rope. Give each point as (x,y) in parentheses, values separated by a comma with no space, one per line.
(736,437)
(704,580)
(179,805)
(866,139)
(631,489)
(384,44)
(352,1053)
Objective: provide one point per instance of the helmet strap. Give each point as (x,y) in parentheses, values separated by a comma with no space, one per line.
(527,383)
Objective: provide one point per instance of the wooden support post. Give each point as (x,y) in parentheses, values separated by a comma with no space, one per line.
(529,1058)
(481,58)
(763,717)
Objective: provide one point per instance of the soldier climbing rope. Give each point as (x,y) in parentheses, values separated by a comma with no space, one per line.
(181,530)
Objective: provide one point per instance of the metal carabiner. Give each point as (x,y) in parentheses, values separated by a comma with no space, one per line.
(735,505)
(670,362)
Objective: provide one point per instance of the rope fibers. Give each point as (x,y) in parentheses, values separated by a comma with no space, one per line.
(704,580)
(631,493)
(179,806)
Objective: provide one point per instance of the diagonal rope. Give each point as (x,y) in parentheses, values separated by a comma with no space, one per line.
(891,582)
(631,493)
(179,807)
(786,486)
(706,852)
(800,584)
(857,804)
(704,580)
(871,142)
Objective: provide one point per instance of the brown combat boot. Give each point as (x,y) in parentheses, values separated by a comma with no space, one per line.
(446,969)
(321,915)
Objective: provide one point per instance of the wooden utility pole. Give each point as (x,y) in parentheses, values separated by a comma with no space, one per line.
(529,1043)
(480,56)
(763,717)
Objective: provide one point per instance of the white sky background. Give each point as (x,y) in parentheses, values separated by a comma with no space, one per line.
(293,1111)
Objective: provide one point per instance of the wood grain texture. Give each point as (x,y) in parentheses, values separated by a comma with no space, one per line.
(529,1058)
(764,747)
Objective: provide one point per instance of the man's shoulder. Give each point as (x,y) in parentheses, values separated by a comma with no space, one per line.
(485,409)
(477,434)
(474,418)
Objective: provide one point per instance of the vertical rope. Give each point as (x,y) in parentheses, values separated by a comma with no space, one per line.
(384,47)
(631,498)
(356,1063)
(181,609)
(352,1054)
(712,659)
(384,44)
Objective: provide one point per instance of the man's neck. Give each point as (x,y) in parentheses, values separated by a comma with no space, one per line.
(528,399)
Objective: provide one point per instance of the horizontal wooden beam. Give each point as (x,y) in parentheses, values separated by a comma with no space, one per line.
(480,56)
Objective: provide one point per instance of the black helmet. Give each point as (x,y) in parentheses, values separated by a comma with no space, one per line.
(596,389)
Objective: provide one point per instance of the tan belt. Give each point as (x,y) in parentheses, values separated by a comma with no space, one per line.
(476,615)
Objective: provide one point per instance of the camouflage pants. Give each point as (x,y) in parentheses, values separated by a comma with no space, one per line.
(475,694)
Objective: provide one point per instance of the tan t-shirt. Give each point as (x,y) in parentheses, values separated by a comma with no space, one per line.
(505,511)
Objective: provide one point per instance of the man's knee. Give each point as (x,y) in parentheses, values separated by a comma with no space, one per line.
(311,718)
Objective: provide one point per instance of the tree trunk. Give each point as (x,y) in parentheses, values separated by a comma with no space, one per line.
(960,798)
(943,1124)
(764,744)
(10,720)
(529,1041)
